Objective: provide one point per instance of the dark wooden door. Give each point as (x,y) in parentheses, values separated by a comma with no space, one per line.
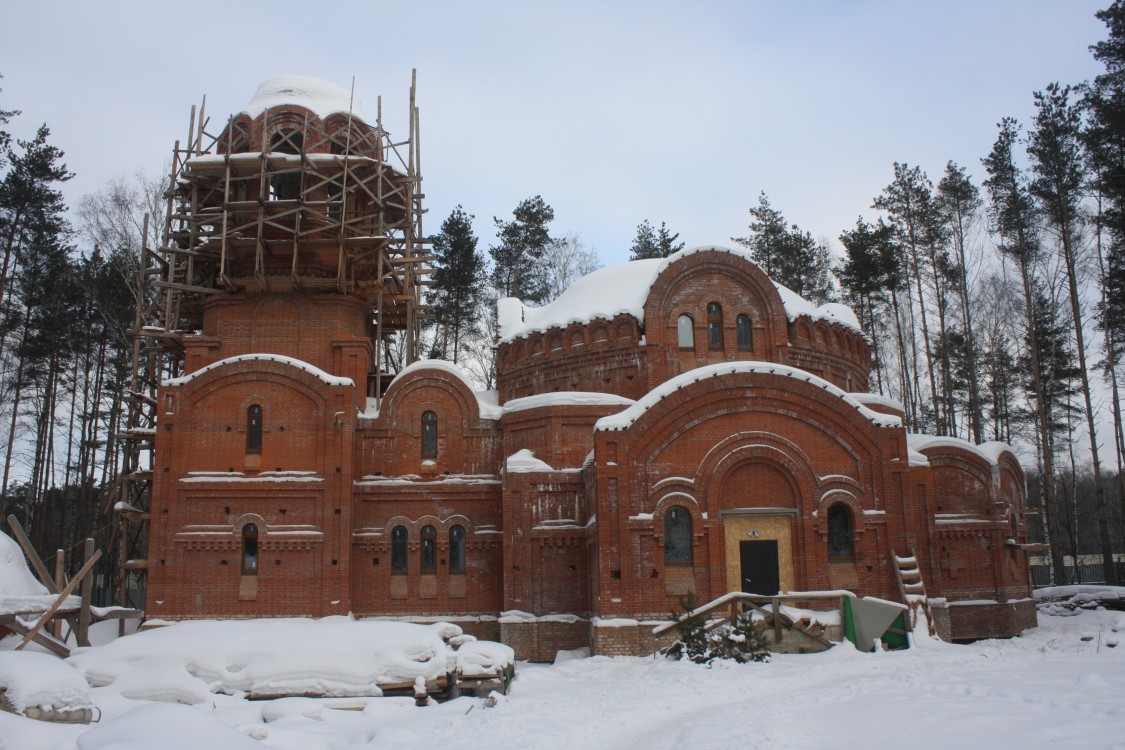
(760,572)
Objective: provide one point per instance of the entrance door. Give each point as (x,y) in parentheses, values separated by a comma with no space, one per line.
(760,572)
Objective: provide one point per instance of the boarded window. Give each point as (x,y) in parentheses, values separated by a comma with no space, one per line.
(677,536)
(685,332)
(840,544)
(398,551)
(457,550)
(429,549)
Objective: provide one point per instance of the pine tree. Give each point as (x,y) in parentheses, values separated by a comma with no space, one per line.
(516,269)
(666,242)
(1104,138)
(1014,218)
(455,294)
(908,201)
(1059,173)
(959,201)
(31,225)
(645,244)
(788,255)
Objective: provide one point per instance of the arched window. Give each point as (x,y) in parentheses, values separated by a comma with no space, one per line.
(254,429)
(429,435)
(685,332)
(286,186)
(840,546)
(398,551)
(457,550)
(714,326)
(744,334)
(249,550)
(429,549)
(677,536)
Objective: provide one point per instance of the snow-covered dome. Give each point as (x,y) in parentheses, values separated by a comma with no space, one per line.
(321,97)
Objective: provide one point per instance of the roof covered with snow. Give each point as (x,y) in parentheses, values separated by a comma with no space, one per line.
(566,398)
(624,288)
(300,364)
(321,97)
(487,401)
(990,451)
(626,418)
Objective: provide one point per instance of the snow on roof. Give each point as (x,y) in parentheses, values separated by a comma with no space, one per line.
(627,417)
(876,399)
(566,398)
(523,461)
(486,400)
(624,288)
(293,361)
(990,451)
(321,97)
(31,679)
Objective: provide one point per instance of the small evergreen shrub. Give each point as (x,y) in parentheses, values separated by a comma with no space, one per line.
(741,641)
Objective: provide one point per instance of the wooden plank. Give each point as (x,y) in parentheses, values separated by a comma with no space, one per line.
(82,635)
(59,602)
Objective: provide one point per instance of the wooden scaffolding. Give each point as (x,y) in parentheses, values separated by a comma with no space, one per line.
(282,201)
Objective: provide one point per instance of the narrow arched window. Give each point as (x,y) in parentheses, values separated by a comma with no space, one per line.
(685,332)
(457,550)
(429,549)
(254,429)
(398,551)
(744,334)
(249,550)
(714,326)
(677,536)
(286,185)
(429,435)
(840,546)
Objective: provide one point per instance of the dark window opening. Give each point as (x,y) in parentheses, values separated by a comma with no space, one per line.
(254,429)
(286,186)
(744,334)
(249,550)
(677,536)
(685,332)
(714,326)
(429,549)
(457,549)
(398,551)
(840,546)
(429,435)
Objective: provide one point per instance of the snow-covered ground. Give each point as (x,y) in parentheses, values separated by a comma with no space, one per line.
(1059,686)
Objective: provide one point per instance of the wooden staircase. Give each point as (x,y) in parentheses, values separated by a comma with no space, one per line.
(912,588)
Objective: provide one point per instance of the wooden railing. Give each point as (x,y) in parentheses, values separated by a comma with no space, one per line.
(727,607)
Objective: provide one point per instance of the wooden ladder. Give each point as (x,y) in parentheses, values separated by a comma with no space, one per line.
(912,589)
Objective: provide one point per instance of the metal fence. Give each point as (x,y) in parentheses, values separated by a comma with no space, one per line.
(1087,573)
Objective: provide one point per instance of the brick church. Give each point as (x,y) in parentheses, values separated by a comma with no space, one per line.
(663,428)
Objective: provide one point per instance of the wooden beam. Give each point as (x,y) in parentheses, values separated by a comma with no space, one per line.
(82,635)
(59,601)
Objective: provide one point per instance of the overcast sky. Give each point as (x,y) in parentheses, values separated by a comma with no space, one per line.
(613,112)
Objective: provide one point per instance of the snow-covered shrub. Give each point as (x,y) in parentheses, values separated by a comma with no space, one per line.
(742,640)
